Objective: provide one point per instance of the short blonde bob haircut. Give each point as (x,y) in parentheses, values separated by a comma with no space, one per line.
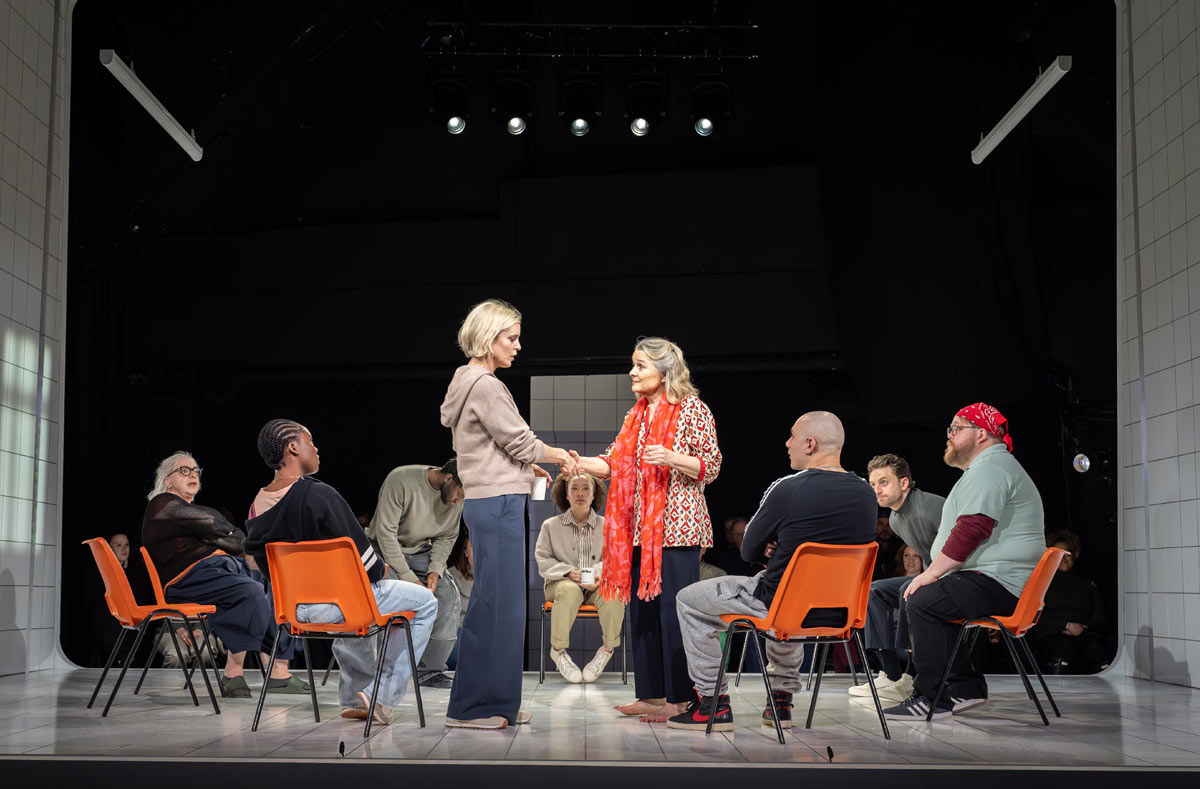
(164,470)
(483,325)
(558,493)
(667,357)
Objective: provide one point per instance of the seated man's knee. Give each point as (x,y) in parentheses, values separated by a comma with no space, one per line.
(568,594)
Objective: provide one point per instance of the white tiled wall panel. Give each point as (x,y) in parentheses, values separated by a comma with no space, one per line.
(1160,539)
(32,279)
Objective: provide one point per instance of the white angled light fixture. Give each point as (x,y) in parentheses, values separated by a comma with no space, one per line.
(152,105)
(1041,86)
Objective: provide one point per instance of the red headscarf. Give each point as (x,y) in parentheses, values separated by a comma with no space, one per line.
(985,416)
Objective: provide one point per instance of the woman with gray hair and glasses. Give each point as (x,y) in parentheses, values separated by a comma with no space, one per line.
(198,555)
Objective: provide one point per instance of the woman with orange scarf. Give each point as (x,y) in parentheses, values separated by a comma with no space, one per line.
(656,521)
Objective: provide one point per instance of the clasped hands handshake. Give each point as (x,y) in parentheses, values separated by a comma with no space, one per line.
(571,464)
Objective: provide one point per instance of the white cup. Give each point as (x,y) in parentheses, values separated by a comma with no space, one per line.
(539,489)
(587,575)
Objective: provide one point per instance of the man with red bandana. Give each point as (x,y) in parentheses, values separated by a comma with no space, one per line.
(991,537)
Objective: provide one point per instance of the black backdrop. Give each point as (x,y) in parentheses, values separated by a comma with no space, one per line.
(832,248)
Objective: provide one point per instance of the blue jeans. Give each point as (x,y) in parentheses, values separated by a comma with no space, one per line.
(356,656)
(491,645)
(887,616)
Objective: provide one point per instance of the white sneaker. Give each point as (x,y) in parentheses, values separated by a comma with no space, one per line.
(888,690)
(962,705)
(595,666)
(566,666)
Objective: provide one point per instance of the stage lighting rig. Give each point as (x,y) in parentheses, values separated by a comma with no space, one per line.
(645,100)
(447,97)
(511,98)
(712,102)
(579,99)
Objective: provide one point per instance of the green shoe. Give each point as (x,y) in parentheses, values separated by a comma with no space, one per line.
(292,686)
(236,687)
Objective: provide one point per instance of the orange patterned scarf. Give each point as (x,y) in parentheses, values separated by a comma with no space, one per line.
(627,465)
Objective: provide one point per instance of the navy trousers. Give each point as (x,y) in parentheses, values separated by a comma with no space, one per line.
(491,646)
(245,617)
(660,667)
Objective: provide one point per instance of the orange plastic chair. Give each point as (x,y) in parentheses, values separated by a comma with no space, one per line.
(330,571)
(137,618)
(818,576)
(161,600)
(585,612)
(1013,628)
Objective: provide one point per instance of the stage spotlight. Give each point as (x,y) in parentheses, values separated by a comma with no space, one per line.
(712,103)
(1081,463)
(579,94)
(511,98)
(447,96)
(645,101)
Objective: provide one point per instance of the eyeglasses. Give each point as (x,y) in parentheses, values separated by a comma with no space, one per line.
(950,431)
(187,471)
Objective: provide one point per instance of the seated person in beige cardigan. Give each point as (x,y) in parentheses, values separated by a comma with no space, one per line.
(568,554)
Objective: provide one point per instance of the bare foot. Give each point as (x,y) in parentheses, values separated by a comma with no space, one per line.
(640,707)
(664,713)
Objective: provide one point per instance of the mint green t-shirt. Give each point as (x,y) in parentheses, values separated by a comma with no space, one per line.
(995,485)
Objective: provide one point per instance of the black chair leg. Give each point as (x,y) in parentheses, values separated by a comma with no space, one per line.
(712,713)
(871,681)
(187,675)
(200,662)
(107,665)
(819,659)
(312,684)
(812,667)
(1024,677)
(153,652)
(329,669)
(541,651)
(212,655)
(762,661)
(625,651)
(962,632)
(413,662)
(137,641)
(1033,662)
(383,640)
(262,694)
(737,681)
(850,660)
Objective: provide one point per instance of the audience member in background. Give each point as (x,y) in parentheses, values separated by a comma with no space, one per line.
(568,546)
(990,539)
(1069,637)
(104,627)
(822,502)
(888,543)
(730,559)
(198,555)
(293,507)
(415,525)
(459,572)
(497,453)
(909,563)
(708,571)
(657,522)
(914,518)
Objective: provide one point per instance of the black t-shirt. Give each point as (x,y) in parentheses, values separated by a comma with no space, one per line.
(813,505)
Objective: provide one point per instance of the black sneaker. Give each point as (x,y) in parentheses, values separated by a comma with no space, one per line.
(436,679)
(915,708)
(696,715)
(783,709)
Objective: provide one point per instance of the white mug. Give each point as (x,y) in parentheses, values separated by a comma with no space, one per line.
(587,576)
(539,489)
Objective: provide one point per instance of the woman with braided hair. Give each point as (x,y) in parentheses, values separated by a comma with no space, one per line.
(200,553)
(497,453)
(293,507)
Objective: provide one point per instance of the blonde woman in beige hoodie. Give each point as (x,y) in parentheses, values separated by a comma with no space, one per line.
(497,453)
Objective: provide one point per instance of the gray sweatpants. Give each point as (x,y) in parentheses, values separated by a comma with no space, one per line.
(445,629)
(700,606)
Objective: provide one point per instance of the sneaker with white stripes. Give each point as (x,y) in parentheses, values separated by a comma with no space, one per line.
(962,705)
(915,708)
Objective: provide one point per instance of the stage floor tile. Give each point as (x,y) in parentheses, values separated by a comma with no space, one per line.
(1107,722)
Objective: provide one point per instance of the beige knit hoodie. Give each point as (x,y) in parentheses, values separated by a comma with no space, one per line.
(495,446)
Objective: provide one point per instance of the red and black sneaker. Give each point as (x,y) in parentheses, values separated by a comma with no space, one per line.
(696,715)
(783,708)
